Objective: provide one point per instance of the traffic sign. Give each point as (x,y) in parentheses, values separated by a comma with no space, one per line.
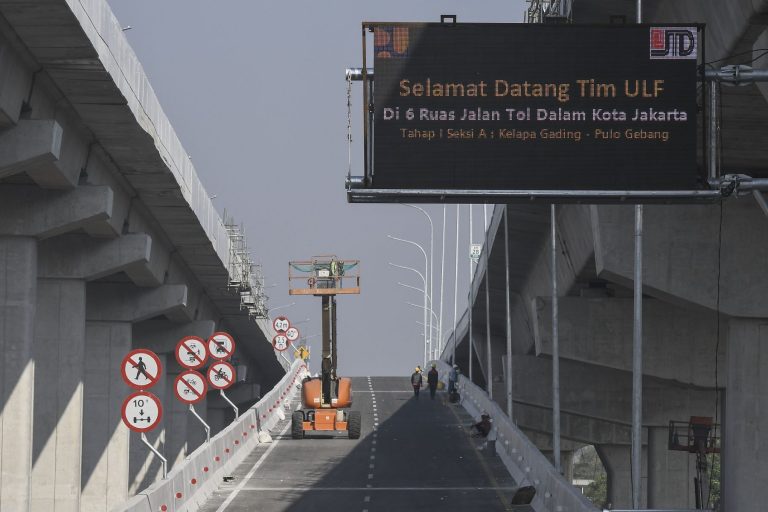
(281,324)
(141,411)
(221,375)
(190,387)
(292,334)
(221,345)
(191,352)
(280,342)
(474,252)
(301,353)
(141,369)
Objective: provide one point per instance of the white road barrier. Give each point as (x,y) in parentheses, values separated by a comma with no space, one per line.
(525,463)
(190,484)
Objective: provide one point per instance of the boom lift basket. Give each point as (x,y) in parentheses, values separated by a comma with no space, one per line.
(324,275)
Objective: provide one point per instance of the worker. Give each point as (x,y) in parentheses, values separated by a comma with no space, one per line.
(416,381)
(432,381)
(453,377)
(482,427)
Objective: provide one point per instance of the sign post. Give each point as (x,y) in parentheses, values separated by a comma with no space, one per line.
(141,412)
(190,388)
(221,375)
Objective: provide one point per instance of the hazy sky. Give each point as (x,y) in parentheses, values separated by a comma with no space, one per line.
(256,92)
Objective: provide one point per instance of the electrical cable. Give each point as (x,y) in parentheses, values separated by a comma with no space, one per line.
(764,50)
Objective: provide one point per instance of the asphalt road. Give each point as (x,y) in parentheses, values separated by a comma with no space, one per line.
(412,455)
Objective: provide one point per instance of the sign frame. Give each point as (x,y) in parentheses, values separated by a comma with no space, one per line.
(362,189)
(201,362)
(126,402)
(210,370)
(128,359)
(211,340)
(200,396)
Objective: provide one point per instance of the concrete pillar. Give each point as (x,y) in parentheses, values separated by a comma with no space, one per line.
(58,394)
(18,296)
(746,416)
(145,467)
(670,473)
(175,417)
(617,462)
(106,438)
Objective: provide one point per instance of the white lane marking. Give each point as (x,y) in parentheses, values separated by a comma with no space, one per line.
(381,391)
(258,463)
(370,476)
(371,466)
(373,457)
(373,449)
(369,488)
(367,499)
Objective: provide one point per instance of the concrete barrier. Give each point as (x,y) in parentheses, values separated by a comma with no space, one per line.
(525,463)
(191,484)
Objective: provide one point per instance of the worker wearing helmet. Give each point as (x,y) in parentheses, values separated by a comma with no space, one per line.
(416,381)
(432,381)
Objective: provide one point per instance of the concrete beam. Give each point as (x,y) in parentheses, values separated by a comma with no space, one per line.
(80,256)
(33,146)
(678,344)
(127,303)
(15,84)
(606,393)
(29,211)
(161,335)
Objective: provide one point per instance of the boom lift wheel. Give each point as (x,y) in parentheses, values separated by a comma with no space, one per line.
(354,422)
(297,425)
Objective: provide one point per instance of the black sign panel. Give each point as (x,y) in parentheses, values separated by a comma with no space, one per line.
(534,107)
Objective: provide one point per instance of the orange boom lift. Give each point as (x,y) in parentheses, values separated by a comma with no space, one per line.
(326,400)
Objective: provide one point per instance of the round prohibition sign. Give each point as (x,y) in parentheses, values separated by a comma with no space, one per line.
(221,375)
(221,345)
(141,411)
(281,324)
(292,334)
(190,387)
(280,342)
(141,368)
(191,352)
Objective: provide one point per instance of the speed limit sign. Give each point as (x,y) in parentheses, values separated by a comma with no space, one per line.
(280,342)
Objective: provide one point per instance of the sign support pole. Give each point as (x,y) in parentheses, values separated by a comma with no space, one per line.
(224,396)
(509,317)
(205,425)
(637,347)
(163,460)
(555,348)
(469,302)
(489,355)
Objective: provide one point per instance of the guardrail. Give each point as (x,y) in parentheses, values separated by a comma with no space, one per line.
(189,485)
(525,463)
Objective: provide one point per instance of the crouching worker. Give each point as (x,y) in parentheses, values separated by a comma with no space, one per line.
(483,427)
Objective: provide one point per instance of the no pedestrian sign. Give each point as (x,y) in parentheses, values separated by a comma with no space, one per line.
(221,375)
(191,352)
(221,345)
(142,411)
(190,387)
(141,369)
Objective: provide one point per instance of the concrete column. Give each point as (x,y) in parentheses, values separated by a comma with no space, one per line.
(746,416)
(106,438)
(18,296)
(616,460)
(145,467)
(58,394)
(670,473)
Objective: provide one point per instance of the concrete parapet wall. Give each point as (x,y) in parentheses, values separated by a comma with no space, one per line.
(189,486)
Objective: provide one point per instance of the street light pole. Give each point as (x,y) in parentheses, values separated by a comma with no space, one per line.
(442,280)
(455,286)
(424,280)
(430,271)
(426,269)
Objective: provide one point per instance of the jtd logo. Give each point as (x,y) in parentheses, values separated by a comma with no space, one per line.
(673,43)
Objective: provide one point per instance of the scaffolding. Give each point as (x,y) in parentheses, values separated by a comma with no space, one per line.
(245,276)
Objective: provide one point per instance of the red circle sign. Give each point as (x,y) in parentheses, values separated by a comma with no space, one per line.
(191,352)
(141,368)
(280,342)
(221,345)
(281,324)
(190,387)
(141,411)
(221,375)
